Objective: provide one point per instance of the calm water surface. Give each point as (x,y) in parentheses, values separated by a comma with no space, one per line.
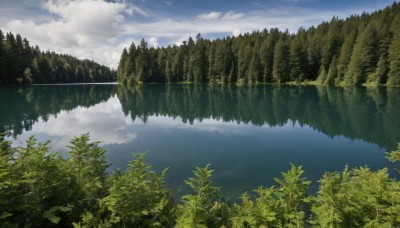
(248,134)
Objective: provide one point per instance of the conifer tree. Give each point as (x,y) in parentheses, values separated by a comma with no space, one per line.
(332,72)
(121,67)
(394,53)
(255,74)
(363,59)
(281,69)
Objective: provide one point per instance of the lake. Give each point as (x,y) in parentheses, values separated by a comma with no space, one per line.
(249,134)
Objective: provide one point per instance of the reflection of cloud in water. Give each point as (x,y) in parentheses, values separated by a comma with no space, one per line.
(104,121)
(210,125)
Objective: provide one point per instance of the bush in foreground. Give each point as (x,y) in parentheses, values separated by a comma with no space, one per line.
(39,188)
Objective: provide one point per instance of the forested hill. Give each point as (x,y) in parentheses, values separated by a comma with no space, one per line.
(22,63)
(362,49)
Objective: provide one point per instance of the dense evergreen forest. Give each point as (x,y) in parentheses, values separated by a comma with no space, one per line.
(39,188)
(359,50)
(20,63)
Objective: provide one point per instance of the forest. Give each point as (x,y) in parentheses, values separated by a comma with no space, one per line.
(21,63)
(40,188)
(360,50)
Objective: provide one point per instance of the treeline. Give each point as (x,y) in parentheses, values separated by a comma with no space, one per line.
(39,188)
(21,63)
(359,50)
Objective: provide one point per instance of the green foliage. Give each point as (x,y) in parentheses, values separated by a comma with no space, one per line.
(357,198)
(364,58)
(394,53)
(205,207)
(36,187)
(263,212)
(281,69)
(39,188)
(21,63)
(292,196)
(137,198)
(394,156)
(87,162)
(340,52)
(275,207)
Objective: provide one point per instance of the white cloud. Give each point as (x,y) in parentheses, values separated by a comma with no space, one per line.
(209,16)
(231,15)
(153,42)
(131,10)
(83,28)
(236,32)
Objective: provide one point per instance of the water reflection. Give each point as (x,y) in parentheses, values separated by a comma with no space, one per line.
(356,113)
(104,121)
(249,134)
(22,106)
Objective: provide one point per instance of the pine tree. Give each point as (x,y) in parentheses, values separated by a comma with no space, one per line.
(345,55)
(267,54)
(255,74)
(212,75)
(199,61)
(380,75)
(281,69)
(364,57)
(244,58)
(332,43)
(142,62)
(332,72)
(297,57)
(2,60)
(130,73)
(178,65)
(394,53)
(121,67)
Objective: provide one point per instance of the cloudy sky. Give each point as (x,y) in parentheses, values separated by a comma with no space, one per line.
(100,29)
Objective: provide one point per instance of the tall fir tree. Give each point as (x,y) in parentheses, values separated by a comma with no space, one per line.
(394,53)
(281,69)
(364,57)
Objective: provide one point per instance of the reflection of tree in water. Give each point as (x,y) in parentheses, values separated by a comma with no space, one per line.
(357,113)
(22,106)
(370,114)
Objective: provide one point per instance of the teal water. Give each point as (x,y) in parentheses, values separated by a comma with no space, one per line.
(248,134)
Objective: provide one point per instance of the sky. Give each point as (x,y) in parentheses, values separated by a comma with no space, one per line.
(100,29)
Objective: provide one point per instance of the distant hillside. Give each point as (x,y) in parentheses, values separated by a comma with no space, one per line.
(362,49)
(21,63)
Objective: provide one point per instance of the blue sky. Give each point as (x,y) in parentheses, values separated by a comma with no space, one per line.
(100,29)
